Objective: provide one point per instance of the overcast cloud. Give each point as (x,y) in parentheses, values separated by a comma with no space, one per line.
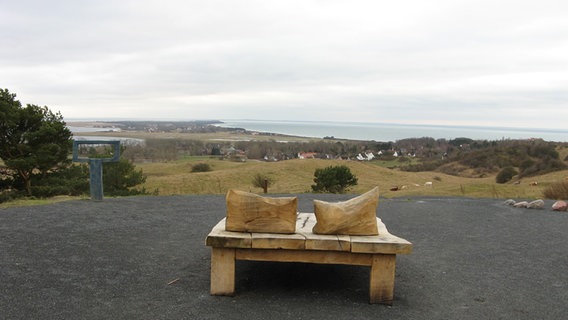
(477,62)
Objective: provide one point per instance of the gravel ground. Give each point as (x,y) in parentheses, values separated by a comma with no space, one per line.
(145,258)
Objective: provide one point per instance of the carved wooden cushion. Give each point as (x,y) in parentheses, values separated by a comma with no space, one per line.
(249,212)
(356,216)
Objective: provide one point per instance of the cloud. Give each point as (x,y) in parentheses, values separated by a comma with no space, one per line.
(476,62)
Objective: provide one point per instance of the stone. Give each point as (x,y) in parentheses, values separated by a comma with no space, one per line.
(536,204)
(560,206)
(521,204)
(510,202)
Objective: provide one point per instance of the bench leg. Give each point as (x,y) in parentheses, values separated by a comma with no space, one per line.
(381,288)
(222,271)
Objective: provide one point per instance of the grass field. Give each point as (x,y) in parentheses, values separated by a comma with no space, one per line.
(296,176)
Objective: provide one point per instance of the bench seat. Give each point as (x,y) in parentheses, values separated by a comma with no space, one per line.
(378,252)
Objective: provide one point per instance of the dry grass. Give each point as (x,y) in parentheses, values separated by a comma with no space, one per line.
(296,176)
(557,190)
(37,202)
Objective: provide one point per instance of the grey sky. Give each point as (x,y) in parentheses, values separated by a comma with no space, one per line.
(477,62)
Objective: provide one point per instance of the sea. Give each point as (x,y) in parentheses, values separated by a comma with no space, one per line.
(392,132)
(383,132)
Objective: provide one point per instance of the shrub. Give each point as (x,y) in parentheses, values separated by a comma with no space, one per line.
(6,196)
(556,191)
(525,164)
(334,179)
(505,175)
(120,178)
(201,167)
(259,180)
(543,166)
(72,181)
(543,150)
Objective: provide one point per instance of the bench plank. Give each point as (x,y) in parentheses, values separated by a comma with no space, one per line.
(278,241)
(304,225)
(387,244)
(219,237)
(305,256)
(383,243)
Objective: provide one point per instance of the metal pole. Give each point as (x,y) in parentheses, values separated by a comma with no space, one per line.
(96,175)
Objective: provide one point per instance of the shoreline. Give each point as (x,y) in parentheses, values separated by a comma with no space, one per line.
(305,131)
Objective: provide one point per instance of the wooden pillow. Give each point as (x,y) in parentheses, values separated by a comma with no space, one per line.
(249,212)
(356,216)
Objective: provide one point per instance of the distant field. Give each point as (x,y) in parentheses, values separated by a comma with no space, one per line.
(296,176)
(209,136)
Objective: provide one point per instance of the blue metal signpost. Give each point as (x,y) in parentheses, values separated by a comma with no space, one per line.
(96,164)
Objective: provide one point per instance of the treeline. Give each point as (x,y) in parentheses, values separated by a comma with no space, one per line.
(524,158)
(169,150)
(460,156)
(171,126)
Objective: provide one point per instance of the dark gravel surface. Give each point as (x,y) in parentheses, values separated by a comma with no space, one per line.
(115,259)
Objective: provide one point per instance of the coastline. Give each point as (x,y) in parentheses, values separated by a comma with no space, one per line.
(364,131)
(383,132)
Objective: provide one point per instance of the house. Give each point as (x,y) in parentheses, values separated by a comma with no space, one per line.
(367,156)
(307,155)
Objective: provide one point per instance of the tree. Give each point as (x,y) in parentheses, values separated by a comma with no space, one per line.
(334,179)
(32,139)
(120,178)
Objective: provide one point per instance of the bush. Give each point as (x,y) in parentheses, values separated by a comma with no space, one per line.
(334,179)
(506,174)
(259,180)
(543,166)
(120,178)
(72,181)
(525,164)
(556,191)
(201,167)
(6,196)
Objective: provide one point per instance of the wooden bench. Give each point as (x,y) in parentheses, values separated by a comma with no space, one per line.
(378,252)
